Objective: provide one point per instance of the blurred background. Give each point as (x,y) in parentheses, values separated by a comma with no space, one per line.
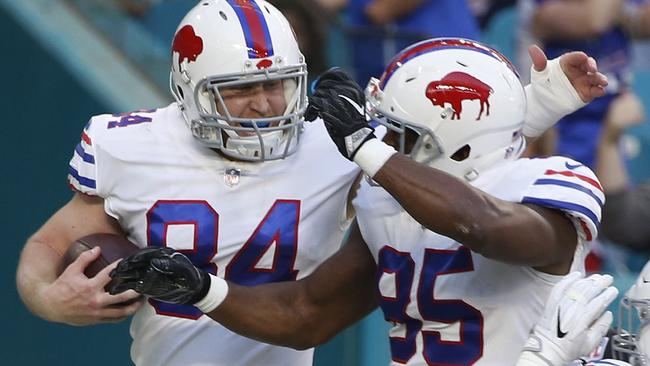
(66,60)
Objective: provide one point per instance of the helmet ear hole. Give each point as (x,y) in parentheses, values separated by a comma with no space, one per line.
(180,92)
(462,153)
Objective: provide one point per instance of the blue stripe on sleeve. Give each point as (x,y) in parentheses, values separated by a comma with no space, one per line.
(85,156)
(90,183)
(556,182)
(563,206)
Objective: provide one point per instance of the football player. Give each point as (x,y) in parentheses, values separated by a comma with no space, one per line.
(460,239)
(228,174)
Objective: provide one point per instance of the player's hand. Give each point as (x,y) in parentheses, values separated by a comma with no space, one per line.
(340,102)
(162,274)
(78,300)
(573,323)
(579,68)
(559,87)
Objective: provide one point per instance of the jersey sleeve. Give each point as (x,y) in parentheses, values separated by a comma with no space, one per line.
(566,185)
(82,172)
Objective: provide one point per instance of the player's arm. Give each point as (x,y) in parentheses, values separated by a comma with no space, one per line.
(501,230)
(308,312)
(70,298)
(575,19)
(298,314)
(505,231)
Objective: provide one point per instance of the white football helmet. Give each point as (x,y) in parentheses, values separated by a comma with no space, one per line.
(462,100)
(226,43)
(632,340)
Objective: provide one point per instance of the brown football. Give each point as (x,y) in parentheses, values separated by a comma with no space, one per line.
(113,248)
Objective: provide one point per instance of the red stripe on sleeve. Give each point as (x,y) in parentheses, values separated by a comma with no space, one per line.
(583,178)
(86,138)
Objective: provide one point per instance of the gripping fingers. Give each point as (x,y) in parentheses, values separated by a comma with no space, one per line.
(120,285)
(142,257)
(124,286)
(596,307)
(607,296)
(599,284)
(333,74)
(313,109)
(600,327)
(125,296)
(132,262)
(102,278)
(596,332)
(84,259)
(128,275)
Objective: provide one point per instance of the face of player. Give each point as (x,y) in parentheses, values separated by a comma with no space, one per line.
(393,138)
(257,100)
(410,138)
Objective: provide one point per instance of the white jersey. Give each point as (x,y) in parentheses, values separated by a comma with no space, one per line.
(249,223)
(451,306)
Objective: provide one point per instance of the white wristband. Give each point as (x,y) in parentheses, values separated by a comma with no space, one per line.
(372,155)
(550,96)
(216,294)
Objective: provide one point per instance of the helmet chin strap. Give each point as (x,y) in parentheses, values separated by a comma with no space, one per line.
(250,146)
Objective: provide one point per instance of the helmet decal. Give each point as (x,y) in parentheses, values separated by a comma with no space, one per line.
(457,86)
(188,45)
(264,64)
(256,30)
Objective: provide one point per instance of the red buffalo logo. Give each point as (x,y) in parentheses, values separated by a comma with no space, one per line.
(188,45)
(456,87)
(264,64)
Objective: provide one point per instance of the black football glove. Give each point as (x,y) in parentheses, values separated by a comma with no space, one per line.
(162,274)
(340,102)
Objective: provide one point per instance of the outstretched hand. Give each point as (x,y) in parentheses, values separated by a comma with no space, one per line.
(559,87)
(580,69)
